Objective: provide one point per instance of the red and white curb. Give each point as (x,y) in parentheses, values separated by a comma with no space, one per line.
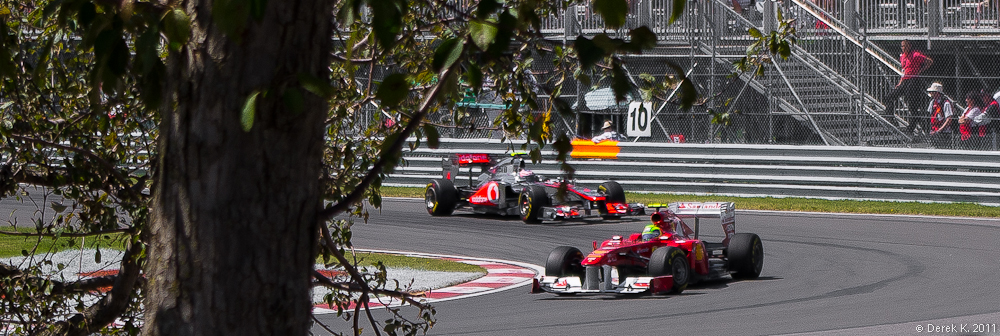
(501,275)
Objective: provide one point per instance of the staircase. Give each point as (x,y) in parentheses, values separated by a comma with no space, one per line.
(809,88)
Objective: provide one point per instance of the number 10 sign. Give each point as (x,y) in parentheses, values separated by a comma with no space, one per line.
(639,117)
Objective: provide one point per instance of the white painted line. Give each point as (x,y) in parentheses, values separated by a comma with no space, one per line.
(510,282)
(499,279)
(461,289)
(511,271)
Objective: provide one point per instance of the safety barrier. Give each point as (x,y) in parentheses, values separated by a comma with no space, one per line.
(828,172)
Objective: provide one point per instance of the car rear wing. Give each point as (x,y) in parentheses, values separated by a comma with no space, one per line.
(725,211)
(450,166)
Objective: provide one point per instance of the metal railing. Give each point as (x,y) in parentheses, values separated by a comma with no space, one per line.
(828,172)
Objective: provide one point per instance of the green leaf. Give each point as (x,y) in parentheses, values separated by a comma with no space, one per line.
(446,54)
(294,100)
(177,28)
(536,155)
(607,44)
(387,21)
(257,9)
(433,137)
(562,107)
(563,147)
(147,53)
(754,33)
(642,38)
(677,11)
(119,57)
(482,33)
(506,27)
(248,111)
(613,12)
(231,16)
(487,7)
(58,207)
(688,93)
(620,83)
(316,86)
(588,52)
(393,90)
(87,14)
(347,13)
(152,85)
(474,77)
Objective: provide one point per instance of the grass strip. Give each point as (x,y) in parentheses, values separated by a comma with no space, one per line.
(13,246)
(791,204)
(418,263)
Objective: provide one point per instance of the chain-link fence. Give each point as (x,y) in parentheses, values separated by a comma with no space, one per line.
(834,89)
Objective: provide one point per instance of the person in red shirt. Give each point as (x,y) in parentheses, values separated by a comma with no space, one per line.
(909,87)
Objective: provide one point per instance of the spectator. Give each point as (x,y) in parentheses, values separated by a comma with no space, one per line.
(972,123)
(609,133)
(913,63)
(942,116)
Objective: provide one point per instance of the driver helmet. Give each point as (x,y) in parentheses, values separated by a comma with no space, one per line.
(664,219)
(526,175)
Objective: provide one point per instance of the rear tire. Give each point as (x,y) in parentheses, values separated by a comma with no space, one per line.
(440,197)
(746,256)
(671,261)
(530,203)
(613,193)
(564,261)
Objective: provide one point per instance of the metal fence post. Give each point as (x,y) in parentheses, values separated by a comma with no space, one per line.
(770,20)
(933,20)
(850,14)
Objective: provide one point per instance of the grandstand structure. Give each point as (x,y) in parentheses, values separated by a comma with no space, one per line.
(829,92)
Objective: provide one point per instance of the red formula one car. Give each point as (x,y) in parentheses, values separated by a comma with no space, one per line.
(505,187)
(664,264)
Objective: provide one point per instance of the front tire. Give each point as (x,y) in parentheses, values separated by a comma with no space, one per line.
(530,203)
(746,256)
(613,193)
(671,261)
(564,261)
(440,197)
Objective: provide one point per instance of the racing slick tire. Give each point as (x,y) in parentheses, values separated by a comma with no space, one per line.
(746,256)
(613,192)
(531,203)
(671,261)
(564,261)
(440,197)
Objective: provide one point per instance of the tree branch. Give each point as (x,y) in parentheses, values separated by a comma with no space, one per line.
(71,235)
(112,305)
(397,146)
(107,165)
(354,287)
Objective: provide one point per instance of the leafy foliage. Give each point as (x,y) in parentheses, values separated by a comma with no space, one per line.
(82,83)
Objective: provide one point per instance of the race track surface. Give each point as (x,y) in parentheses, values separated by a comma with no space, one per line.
(824,274)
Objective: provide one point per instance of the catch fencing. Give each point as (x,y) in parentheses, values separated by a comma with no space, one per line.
(825,172)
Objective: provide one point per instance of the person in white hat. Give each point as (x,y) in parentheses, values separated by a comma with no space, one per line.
(609,133)
(942,115)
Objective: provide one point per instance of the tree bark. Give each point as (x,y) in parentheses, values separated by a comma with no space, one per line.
(233,233)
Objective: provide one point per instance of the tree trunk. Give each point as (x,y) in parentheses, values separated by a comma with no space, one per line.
(233,236)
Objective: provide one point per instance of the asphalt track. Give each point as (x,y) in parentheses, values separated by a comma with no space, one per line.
(824,274)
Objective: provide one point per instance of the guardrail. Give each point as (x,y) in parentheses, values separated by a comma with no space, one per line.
(827,172)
